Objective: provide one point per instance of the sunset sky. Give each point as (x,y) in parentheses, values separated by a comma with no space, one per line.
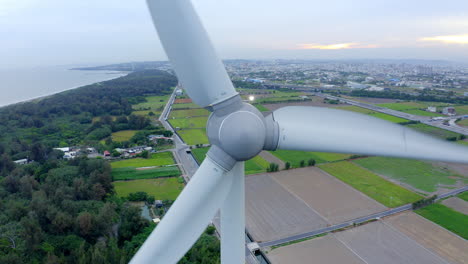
(57,32)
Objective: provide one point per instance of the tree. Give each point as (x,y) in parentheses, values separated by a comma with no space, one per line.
(145,154)
(273,167)
(302,163)
(311,162)
(287,165)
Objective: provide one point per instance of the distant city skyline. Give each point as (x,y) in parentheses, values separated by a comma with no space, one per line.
(53,32)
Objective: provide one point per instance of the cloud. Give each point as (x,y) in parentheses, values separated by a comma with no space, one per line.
(336,46)
(450,39)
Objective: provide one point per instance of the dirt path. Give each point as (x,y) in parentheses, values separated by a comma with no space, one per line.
(272,159)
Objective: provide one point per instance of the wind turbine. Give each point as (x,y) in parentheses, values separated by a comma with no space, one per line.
(238,132)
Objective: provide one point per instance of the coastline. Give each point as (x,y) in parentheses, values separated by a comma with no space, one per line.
(117,74)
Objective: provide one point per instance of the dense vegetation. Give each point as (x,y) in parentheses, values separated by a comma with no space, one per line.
(57,211)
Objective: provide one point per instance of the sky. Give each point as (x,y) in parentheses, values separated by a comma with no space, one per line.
(91,32)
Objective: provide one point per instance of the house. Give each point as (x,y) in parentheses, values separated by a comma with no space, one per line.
(106,153)
(158,203)
(179,92)
(449,111)
(21,162)
(432,109)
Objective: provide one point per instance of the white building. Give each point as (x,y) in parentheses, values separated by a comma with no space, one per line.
(432,109)
(21,161)
(449,111)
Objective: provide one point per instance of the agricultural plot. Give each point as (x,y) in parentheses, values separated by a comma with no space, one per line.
(431,236)
(463,196)
(463,122)
(294,157)
(193,136)
(418,174)
(184,106)
(433,131)
(414,108)
(189,113)
(156,159)
(145,112)
(131,173)
(273,213)
(153,103)
(447,218)
(314,101)
(419,112)
(161,188)
(194,122)
(366,111)
(123,135)
(331,198)
(380,243)
(456,204)
(461,109)
(261,108)
(252,166)
(383,191)
(323,250)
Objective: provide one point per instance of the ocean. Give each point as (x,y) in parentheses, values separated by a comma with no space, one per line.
(17,85)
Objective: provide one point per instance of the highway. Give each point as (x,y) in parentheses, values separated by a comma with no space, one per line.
(423,119)
(354,221)
(188,164)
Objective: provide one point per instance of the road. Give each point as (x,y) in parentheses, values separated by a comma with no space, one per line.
(354,221)
(423,119)
(188,164)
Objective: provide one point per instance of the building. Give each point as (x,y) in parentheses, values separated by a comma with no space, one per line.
(106,153)
(424,70)
(465,94)
(179,92)
(432,109)
(449,111)
(21,162)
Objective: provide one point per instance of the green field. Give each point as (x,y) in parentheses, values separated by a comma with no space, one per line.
(161,189)
(447,218)
(463,195)
(294,157)
(383,116)
(145,112)
(403,106)
(153,103)
(421,175)
(381,190)
(193,136)
(421,112)
(185,106)
(356,109)
(189,113)
(434,131)
(132,173)
(461,109)
(252,166)
(123,135)
(157,159)
(261,108)
(194,122)
(463,122)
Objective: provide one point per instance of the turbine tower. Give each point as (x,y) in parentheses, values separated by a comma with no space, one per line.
(238,132)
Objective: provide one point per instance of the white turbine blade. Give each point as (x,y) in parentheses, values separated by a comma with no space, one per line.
(190,51)
(188,216)
(332,130)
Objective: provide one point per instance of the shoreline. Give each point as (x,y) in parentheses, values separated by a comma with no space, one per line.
(119,73)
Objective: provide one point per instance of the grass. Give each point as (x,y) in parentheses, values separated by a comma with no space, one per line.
(447,218)
(189,113)
(434,131)
(366,111)
(421,175)
(193,136)
(161,189)
(123,135)
(145,112)
(153,103)
(185,106)
(261,108)
(131,173)
(194,122)
(403,106)
(356,109)
(294,157)
(463,122)
(381,190)
(463,196)
(421,112)
(461,109)
(156,159)
(252,166)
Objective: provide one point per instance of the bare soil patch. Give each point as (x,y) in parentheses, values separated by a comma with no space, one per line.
(272,159)
(457,204)
(331,198)
(431,236)
(273,213)
(323,250)
(381,243)
(183,101)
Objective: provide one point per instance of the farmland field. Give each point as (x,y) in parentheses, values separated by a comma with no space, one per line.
(123,135)
(461,109)
(419,174)
(261,108)
(157,159)
(431,236)
(434,131)
(463,196)
(145,112)
(383,191)
(189,113)
(357,109)
(154,103)
(252,166)
(294,157)
(132,173)
(161,189)
(366,111)
(447,218)
(193,136)
(456,204)
(326,194)
(194,122)
(463,122)
(185,106)
(421,112)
